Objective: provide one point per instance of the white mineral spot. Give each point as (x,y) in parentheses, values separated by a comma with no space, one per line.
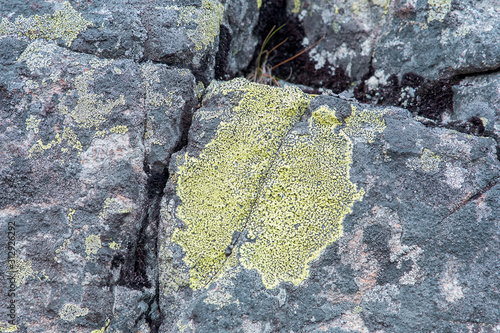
(454,175)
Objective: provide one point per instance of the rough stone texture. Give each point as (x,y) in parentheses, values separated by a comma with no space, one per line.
(439,38)
(182,32)
(405,52)
(351,29)
(477,105)
(83,141)
(417,253)
(281,211)
(237,42)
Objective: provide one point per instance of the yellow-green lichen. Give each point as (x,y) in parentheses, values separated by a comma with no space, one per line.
(70,214)
(65,23)
(207,18)
(221,295)
(102,329)
(117,205)
(7,328)
(259,3)
(62,248)
(296,6)
(120,129)
(438,9)
(21,270)
(114,245)
(289,190)
(363,126)
(357,309)
(92,246)
(32,123)
(71,139)
(219,186)
(182,326)
(384,4)
(70,312)
(156,95)
(303,201)
(39,147)
(91,108)
(200,90)
(171,277)
(429,161)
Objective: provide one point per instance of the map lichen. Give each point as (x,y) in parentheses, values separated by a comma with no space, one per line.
(65,23)
(70,312)
(303,201)
(286,190)
(207,18)
(438,9)
(219,187)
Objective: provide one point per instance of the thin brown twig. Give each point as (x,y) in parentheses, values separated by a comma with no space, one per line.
(295,56)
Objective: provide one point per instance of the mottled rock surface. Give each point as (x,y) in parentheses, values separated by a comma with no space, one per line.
(137,194)
(338,217)
(184,33)
(83,141)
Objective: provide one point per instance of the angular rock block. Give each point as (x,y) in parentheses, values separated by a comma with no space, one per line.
(81,142)
(381,41)
(182,32)
(289,212)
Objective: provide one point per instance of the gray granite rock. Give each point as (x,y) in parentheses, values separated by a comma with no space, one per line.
(84,144)
(340,217)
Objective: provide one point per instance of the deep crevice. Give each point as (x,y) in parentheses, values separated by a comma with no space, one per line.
(300,70)
(139,256)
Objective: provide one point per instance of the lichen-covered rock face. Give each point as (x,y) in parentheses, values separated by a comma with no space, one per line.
(439,38)
(477,105)
(182,32)
(290,212)
(81,142)
(394,47)
(350,27)
(138,196)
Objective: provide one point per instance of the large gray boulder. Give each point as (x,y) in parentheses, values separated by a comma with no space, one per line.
(84,145)
(321,214)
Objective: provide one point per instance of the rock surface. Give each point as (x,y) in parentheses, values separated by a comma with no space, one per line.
(184,33)
(137,194)
(83,142)
(345,218)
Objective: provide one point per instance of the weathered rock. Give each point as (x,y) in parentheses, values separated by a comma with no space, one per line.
(237,41)
(290,213)
(283,211)
(84,144)
(406,53)
(182,32)
(439,38)
(351,30)
(477,105)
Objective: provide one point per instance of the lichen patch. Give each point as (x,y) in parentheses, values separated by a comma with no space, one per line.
(64,24)
(263,193)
